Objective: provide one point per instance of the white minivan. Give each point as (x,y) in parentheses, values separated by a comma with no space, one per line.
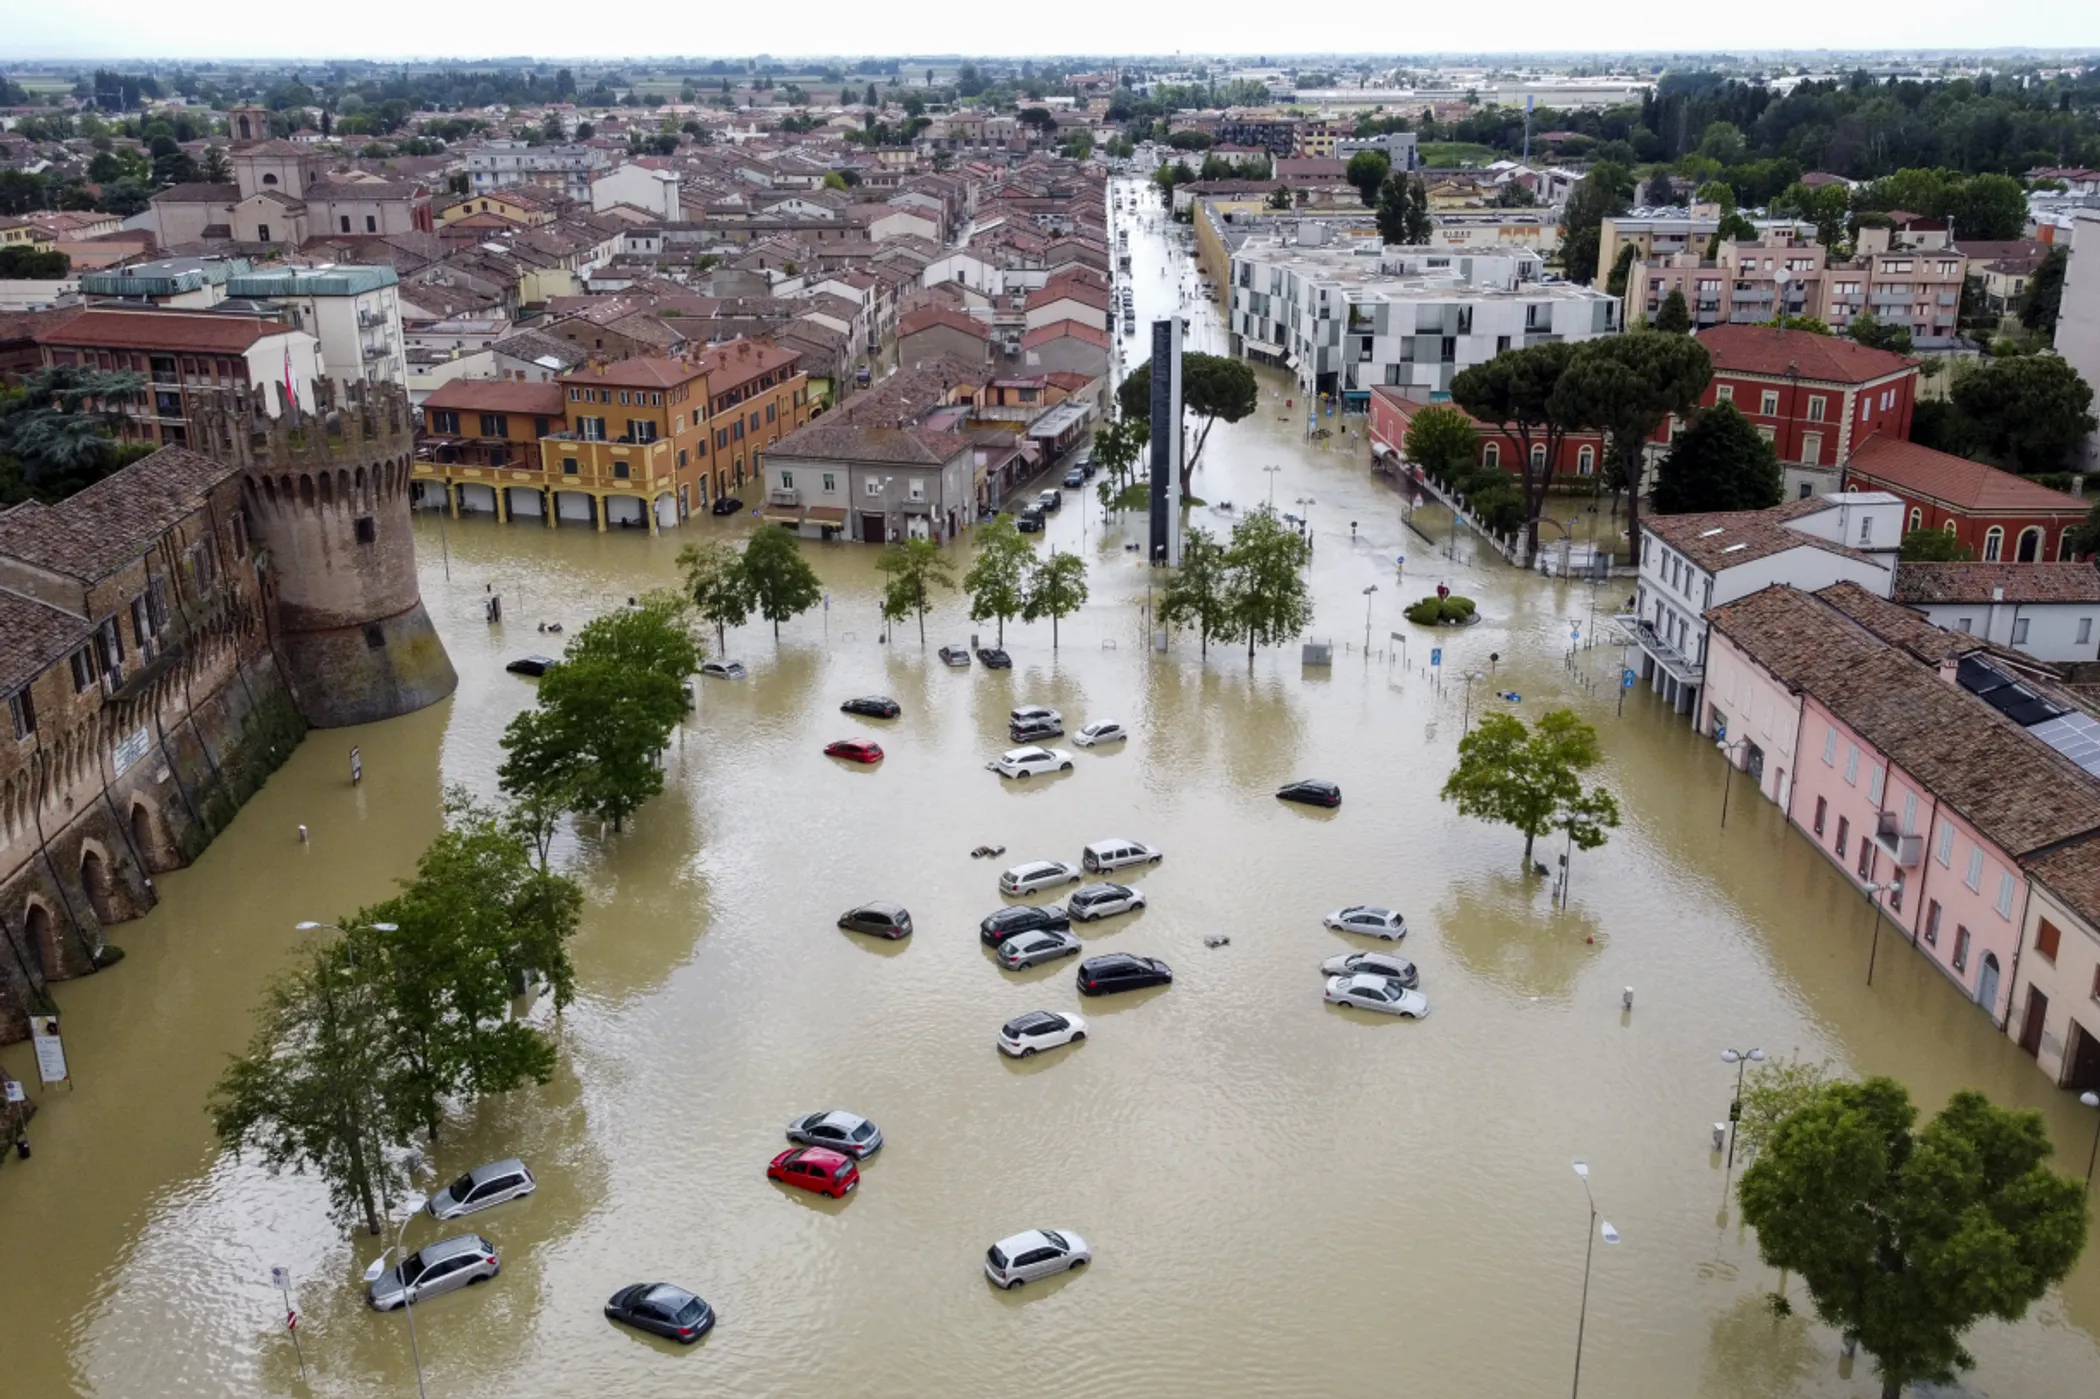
(1113,854)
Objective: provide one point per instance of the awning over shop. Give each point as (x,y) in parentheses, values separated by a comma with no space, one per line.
(825,514)
(1379,449)
(1263,347)
(781,514)
(1061,419)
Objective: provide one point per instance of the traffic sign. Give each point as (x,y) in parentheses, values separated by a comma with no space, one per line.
(1626,680)
(1436,655)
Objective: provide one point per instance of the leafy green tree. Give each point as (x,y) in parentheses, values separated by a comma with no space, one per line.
(32,264)
(1719,462)
(1442,441)
(1906,1238)
(1937,546)
(1734,229)
(1988,206)
(1774,1091)
(2044,296)
(1605,192)
(1403,211)
(1532,778)
(1813,326)
(1879,335)
(2026,414)
(997,582)
(1199,592)
(911,571)
(1279,198)
(477,920)
(1214,388)
(1514,390)
(1826,206)
(1056,589)
(305,1095)
(715,582)
(1117,444)
(1674,317)
(783,585)
(1265,563)
(1367,171)
(61,426)
(1625,386)
(1621,269)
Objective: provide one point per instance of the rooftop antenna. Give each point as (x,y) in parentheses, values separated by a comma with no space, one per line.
(1529,98)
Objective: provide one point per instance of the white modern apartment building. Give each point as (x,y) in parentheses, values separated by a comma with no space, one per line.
(1346,319)
(354,310)
(565,170)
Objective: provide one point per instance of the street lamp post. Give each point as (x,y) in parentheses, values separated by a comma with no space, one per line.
(1467,724)
(1367,619)
(2091,1100)
(408,1298)
(1742,1059)
(1272,470)
(1728,780)
(1611,1236)
(1873,911)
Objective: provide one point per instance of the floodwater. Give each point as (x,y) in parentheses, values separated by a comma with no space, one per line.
(1283,1198)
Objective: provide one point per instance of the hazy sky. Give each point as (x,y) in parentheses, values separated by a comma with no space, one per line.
(421,29)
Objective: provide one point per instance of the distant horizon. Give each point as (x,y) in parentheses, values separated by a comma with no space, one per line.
(106,31)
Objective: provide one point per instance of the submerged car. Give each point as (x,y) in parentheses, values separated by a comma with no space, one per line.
(847,1133)
(817,1169)
(854,750)
(1380,993)
(1311,791)
(1103,901)
(728,505)
(482,1188)
(879,706)
(1116,852)
(883,920)
(723,670)
(1369,918)
(1018,919)
(994,658)
(432,1270)
(1029,521)
(1121,971)
(534,666)
(662,1308)
(1023,763)
(1034,730)
(1101,731)
(1372,964)
(1037,874)
(1075,477)
(1035,1254)
(1026,1036)
(1034,949)
(1022,714)
(957,656)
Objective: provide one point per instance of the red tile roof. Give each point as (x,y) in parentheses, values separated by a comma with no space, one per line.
(1965,485)
(1830,359)
(1069,289)
(1063,330)
(731,363)
(2002,582)
(643,371)
(197,332)
(926,317)
(500,396)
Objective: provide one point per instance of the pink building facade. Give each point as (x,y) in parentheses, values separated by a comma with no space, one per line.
(1753,715)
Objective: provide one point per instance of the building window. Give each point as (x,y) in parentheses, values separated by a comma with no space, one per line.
(367,529)
(1866,860)
(593,429)
(1830,745)
(2085,630)
(1812,448)
(1815,409)
(1844,836)
(2046,938)
(1974,878)
(1767,432)
(2019,631)
(1910,813)
(1822,810)
(1724,393)
(1932,923)
(787,480)
(1917,518)
(2029,549)
(444,422)
(1964,625)
(2005,893)
(1768,403)
(828,481)
(1961,948)
(495,425)
(874,488)
(262,230)
(1945,854)
(1874,784)
(346,223)
(1993,544)
(1586,461)
(620,470)
(371,224)
(1851,765)
(21,711)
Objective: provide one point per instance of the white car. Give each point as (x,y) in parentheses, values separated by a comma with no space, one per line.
(1116,852)
(1033,949)
(1028,713)
(1025,1036)
(1383,993)
(1034,1254)
(1369,919)
(1102,901)
(723,670)
(1024,763)
(1373,964)
(1106,731)
(1037,874)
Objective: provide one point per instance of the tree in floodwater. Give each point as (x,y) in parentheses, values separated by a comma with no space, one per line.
(1532,778)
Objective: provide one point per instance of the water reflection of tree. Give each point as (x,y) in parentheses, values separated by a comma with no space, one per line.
(1756,1355)
(1505,930)
(1204,716)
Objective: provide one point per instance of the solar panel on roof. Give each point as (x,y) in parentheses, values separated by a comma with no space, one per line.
(2074,735)
(1979,677)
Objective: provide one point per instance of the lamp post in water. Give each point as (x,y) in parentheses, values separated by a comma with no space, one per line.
(1611,1236)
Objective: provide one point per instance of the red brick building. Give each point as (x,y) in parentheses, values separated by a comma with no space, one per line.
(2000,516)
(1392,409)
(1813,397)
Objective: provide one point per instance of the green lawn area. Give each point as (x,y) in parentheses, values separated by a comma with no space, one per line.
(1446,154)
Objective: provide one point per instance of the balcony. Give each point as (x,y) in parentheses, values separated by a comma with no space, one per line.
(1905,850)
(784,495)
(1642,633)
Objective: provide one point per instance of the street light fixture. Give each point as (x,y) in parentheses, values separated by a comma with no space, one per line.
(1272,470)
(408,1296)
(1742,1059)
(2091,1100)
(1870,890)
(1367,619)
(1728,781)
(1466,725)
(1611,1236)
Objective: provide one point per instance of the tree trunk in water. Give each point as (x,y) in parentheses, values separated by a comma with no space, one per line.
(1631,470)
(1188,465)
(1053,632)
(922,626)
(1891,1388)
(1528,839)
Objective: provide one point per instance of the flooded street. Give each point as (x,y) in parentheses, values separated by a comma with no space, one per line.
(1282,1197)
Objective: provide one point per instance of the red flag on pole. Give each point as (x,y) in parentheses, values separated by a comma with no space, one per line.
(291,400)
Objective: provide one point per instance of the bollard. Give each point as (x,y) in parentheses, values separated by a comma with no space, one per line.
(302,835)
(1626,998)
(1720,1135)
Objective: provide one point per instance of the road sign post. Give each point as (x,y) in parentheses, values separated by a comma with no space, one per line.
(1626,679)
(357,766)
(281,1279)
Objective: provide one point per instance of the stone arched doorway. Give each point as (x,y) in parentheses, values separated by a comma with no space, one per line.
(150,839)
(101,890)
(37,943)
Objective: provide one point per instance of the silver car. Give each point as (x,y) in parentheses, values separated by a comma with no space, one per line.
(846,1133)
(1033,1254)
(1037,874)
(1034,949)
(481,1188)
(1380,993)
(432,1270)
(723,670)
(1102,901)
(1373,964)
(1369,918)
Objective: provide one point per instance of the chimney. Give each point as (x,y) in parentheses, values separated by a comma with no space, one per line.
(1950,667)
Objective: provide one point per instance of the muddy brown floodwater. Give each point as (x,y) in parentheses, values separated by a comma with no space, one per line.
(1283,1198)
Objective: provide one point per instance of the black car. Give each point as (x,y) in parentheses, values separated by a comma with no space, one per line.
(883,920)
(1120,971)
(992,658)
(664,1309)
(1074,477)
(1029,521)
(1034,730)
(1022,918)
(728,505)
(872,707)
(1312,792)
(1049,500)
(531,665)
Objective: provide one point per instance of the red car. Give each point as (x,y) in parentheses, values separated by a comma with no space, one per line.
(815,1168)
(857,750)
